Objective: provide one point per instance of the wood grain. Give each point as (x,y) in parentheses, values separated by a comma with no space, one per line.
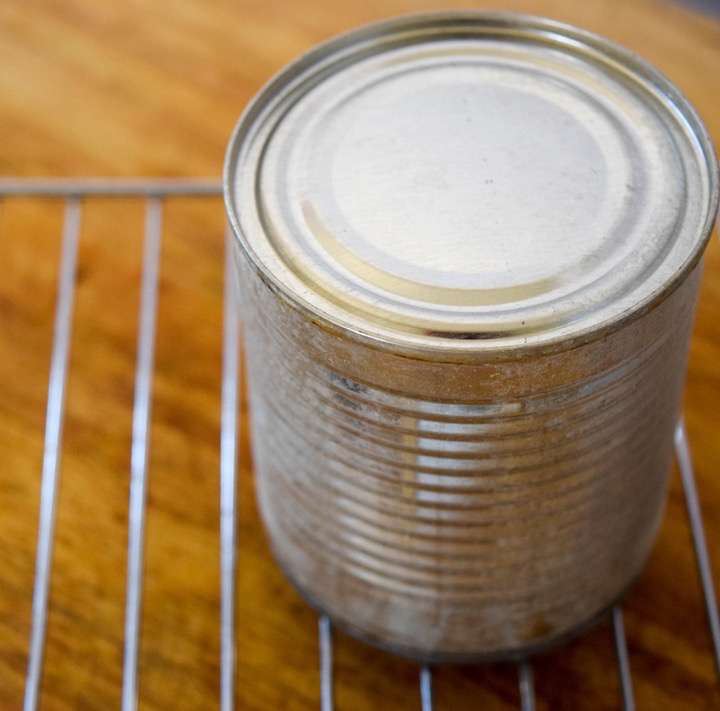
(140,88)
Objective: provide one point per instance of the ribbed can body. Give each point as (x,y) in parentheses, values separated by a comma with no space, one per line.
(469,249)
(475,508)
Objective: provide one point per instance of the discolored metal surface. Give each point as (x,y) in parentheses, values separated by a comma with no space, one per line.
(469,251)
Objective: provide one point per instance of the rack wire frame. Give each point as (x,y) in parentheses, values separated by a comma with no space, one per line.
(73,192)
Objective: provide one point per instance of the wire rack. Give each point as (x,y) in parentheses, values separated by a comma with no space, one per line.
(75,193)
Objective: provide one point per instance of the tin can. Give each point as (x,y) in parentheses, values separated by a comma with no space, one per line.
(469,248)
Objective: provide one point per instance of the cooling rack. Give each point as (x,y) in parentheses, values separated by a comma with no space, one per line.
(75,193)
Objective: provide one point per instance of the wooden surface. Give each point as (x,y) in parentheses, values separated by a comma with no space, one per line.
(142,88)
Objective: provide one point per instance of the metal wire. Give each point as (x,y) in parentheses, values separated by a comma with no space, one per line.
(426,691)
(327,685)
(228,499)
(527,687)
(692,501)
(51,453)
(623,659)
(139,452)
(154,190)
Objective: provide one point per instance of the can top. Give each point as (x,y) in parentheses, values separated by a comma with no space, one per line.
(471,182)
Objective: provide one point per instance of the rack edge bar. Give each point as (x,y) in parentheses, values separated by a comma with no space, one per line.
(110,187)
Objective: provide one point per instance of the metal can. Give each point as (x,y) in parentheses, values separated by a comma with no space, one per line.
(469,248)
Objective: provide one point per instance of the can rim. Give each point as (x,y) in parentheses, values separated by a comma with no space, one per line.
(538,27)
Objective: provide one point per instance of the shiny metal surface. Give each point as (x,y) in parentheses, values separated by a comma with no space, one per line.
(498,179)
(426,692)
(142,406)
(325,643)
(692,501)
(52,449)
(623,659)
(110,187)
(468,248)
(527,687)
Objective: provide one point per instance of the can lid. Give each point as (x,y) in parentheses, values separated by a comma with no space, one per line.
(504,180)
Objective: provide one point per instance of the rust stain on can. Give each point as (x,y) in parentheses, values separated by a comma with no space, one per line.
(469,248)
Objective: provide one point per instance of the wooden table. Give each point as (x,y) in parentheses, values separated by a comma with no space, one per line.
(139,88)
